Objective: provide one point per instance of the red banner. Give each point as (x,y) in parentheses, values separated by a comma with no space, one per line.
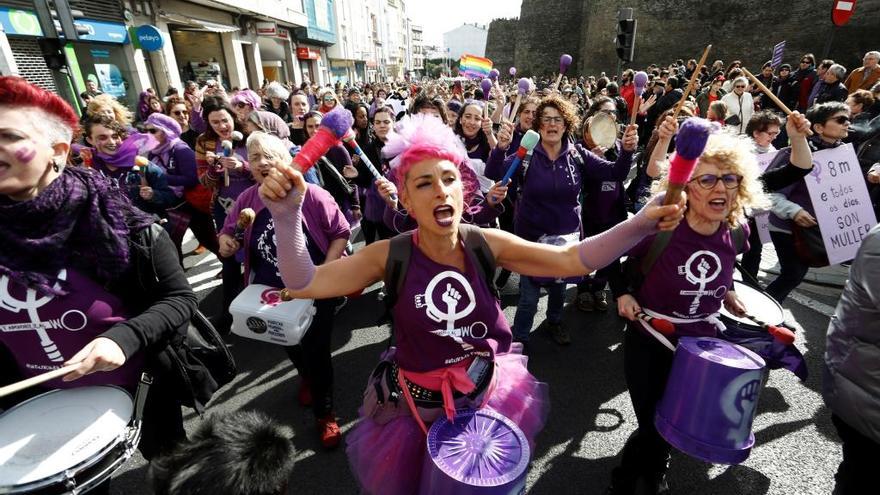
(842,11)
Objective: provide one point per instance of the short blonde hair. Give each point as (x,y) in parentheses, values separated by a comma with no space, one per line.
(735,153)
(121,114)
(269,144)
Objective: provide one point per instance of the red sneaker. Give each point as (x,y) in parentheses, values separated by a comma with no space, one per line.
(305,393)
(329,431)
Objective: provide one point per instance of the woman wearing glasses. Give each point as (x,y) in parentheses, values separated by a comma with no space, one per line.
(548,208)
(244,102)
(740,105)
(724,183)
(179,109)
(792,205)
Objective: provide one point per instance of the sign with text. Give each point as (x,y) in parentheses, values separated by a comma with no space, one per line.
(840,198)
(762,220)
(842,11)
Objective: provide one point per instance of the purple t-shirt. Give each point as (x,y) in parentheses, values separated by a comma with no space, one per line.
(263,252)
(444,316)
(691,277)
(44,331)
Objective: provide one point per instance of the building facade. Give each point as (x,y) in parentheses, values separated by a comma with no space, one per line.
(466,39)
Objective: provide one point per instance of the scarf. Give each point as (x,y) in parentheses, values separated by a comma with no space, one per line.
(79,220)
(171,129)
(134,145)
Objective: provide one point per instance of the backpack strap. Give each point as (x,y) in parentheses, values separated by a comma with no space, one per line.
(399,253)
(475,243)
(738,235)
(657,247)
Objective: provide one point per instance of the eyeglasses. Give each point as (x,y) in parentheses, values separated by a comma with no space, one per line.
(329,99)
(153,130)
(180,112)
(841,119)
(739,86)
(552,120)
(708,181)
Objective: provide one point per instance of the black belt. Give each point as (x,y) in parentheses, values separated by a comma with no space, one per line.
(425,397)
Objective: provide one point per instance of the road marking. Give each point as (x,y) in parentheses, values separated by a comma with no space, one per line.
(811,303)
(206,275)
(208,285)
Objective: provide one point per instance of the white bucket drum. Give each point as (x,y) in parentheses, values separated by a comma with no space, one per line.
(66,441)
(758,304)
(259,313)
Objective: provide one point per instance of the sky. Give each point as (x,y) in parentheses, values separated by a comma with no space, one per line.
(439,16)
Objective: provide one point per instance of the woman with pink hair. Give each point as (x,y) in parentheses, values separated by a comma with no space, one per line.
(436,362)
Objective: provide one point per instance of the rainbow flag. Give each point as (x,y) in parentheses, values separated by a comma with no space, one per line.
(473,66)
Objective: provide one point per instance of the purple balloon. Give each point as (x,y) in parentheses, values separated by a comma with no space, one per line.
(493,74)
(564,62)
(512,71)
(640,80)
(486,85)
(523,86)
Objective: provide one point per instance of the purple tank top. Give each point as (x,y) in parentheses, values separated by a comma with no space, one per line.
(44,331)
(444,316)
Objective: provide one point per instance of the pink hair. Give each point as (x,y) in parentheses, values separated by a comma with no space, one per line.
(421,137)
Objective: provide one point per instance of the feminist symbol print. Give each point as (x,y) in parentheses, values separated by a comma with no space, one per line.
(458,302)
(701,268)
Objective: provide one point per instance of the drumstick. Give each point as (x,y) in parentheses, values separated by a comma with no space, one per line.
(36,380)
(781,334)
(663,326)
(692,82)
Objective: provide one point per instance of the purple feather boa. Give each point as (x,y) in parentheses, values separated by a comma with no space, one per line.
(78,221)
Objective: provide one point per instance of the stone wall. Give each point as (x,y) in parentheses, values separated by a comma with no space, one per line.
(671,29)
(501,44)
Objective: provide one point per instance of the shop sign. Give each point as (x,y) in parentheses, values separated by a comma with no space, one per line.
(108,32)
(20,22)
(267,29)
(149,38)
(305,53)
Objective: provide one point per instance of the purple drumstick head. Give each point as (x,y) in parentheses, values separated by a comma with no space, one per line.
(493,74)
(486,86)
(564,62)
(338,121)
(512,71)
(523,86)
(640,80)
(689,145)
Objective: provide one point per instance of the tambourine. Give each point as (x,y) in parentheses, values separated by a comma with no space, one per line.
(603,130)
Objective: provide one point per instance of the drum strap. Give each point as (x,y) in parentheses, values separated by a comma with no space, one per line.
(713,319)
(140,396)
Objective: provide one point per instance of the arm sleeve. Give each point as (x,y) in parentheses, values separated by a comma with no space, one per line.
(163,196)
(783,177)
(496,166)
(599,169)
(601,249)
(294,261)
(185,161)
(174,303)
(782,207)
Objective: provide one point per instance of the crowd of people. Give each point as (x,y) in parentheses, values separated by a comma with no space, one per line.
(82,199)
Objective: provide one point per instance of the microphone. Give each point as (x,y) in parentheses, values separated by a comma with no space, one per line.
(689,145)
(227,152)
(334,125)
(529,141)
(351,142)
(522,88)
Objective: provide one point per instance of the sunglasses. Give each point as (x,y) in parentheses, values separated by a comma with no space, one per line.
(240,104)
(180,112)
(805,61)
(708,181)
(841,119)
(153,130)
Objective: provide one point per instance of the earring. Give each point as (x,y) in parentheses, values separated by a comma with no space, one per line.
(55,166)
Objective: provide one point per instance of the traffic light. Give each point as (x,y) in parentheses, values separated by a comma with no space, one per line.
(626,39)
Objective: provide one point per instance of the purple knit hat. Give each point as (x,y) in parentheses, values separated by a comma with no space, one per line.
(247,96)
(165,124)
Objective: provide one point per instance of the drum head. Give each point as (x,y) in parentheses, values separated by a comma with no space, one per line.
(757,304)
(59,430)
(603,130)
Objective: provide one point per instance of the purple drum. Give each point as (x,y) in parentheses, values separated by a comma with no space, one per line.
(710,400)
(479,453)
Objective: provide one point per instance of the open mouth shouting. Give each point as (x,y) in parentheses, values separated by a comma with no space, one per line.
(444,215)
(718,205)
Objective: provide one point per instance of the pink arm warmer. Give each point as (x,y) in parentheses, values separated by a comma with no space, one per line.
(602,249)
(294,262)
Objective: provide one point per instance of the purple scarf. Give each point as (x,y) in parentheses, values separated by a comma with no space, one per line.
(134,145)
(79,220)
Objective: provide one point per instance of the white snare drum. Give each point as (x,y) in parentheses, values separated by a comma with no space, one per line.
(67,441)
(758,304)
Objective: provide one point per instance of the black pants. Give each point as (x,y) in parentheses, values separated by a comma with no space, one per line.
(751,260)
(312,356)
(861,456)
(791,270)
(375,231)
(646,365)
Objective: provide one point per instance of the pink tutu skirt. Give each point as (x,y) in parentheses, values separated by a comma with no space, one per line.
(387,458)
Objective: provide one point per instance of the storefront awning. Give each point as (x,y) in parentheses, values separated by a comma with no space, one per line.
(191,24)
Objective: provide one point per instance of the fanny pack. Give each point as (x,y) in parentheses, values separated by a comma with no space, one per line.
(559,240)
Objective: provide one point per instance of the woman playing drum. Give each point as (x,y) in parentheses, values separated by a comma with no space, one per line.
(448,320)
(688,283)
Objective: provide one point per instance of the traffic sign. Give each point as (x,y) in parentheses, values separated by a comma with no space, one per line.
(842,11)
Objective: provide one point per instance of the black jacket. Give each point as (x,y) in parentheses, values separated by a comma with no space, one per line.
(832,92)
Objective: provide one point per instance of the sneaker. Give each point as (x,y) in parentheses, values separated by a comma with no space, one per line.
(305,393)
(600,300)
(559,333)
(586,303)
(328,430)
